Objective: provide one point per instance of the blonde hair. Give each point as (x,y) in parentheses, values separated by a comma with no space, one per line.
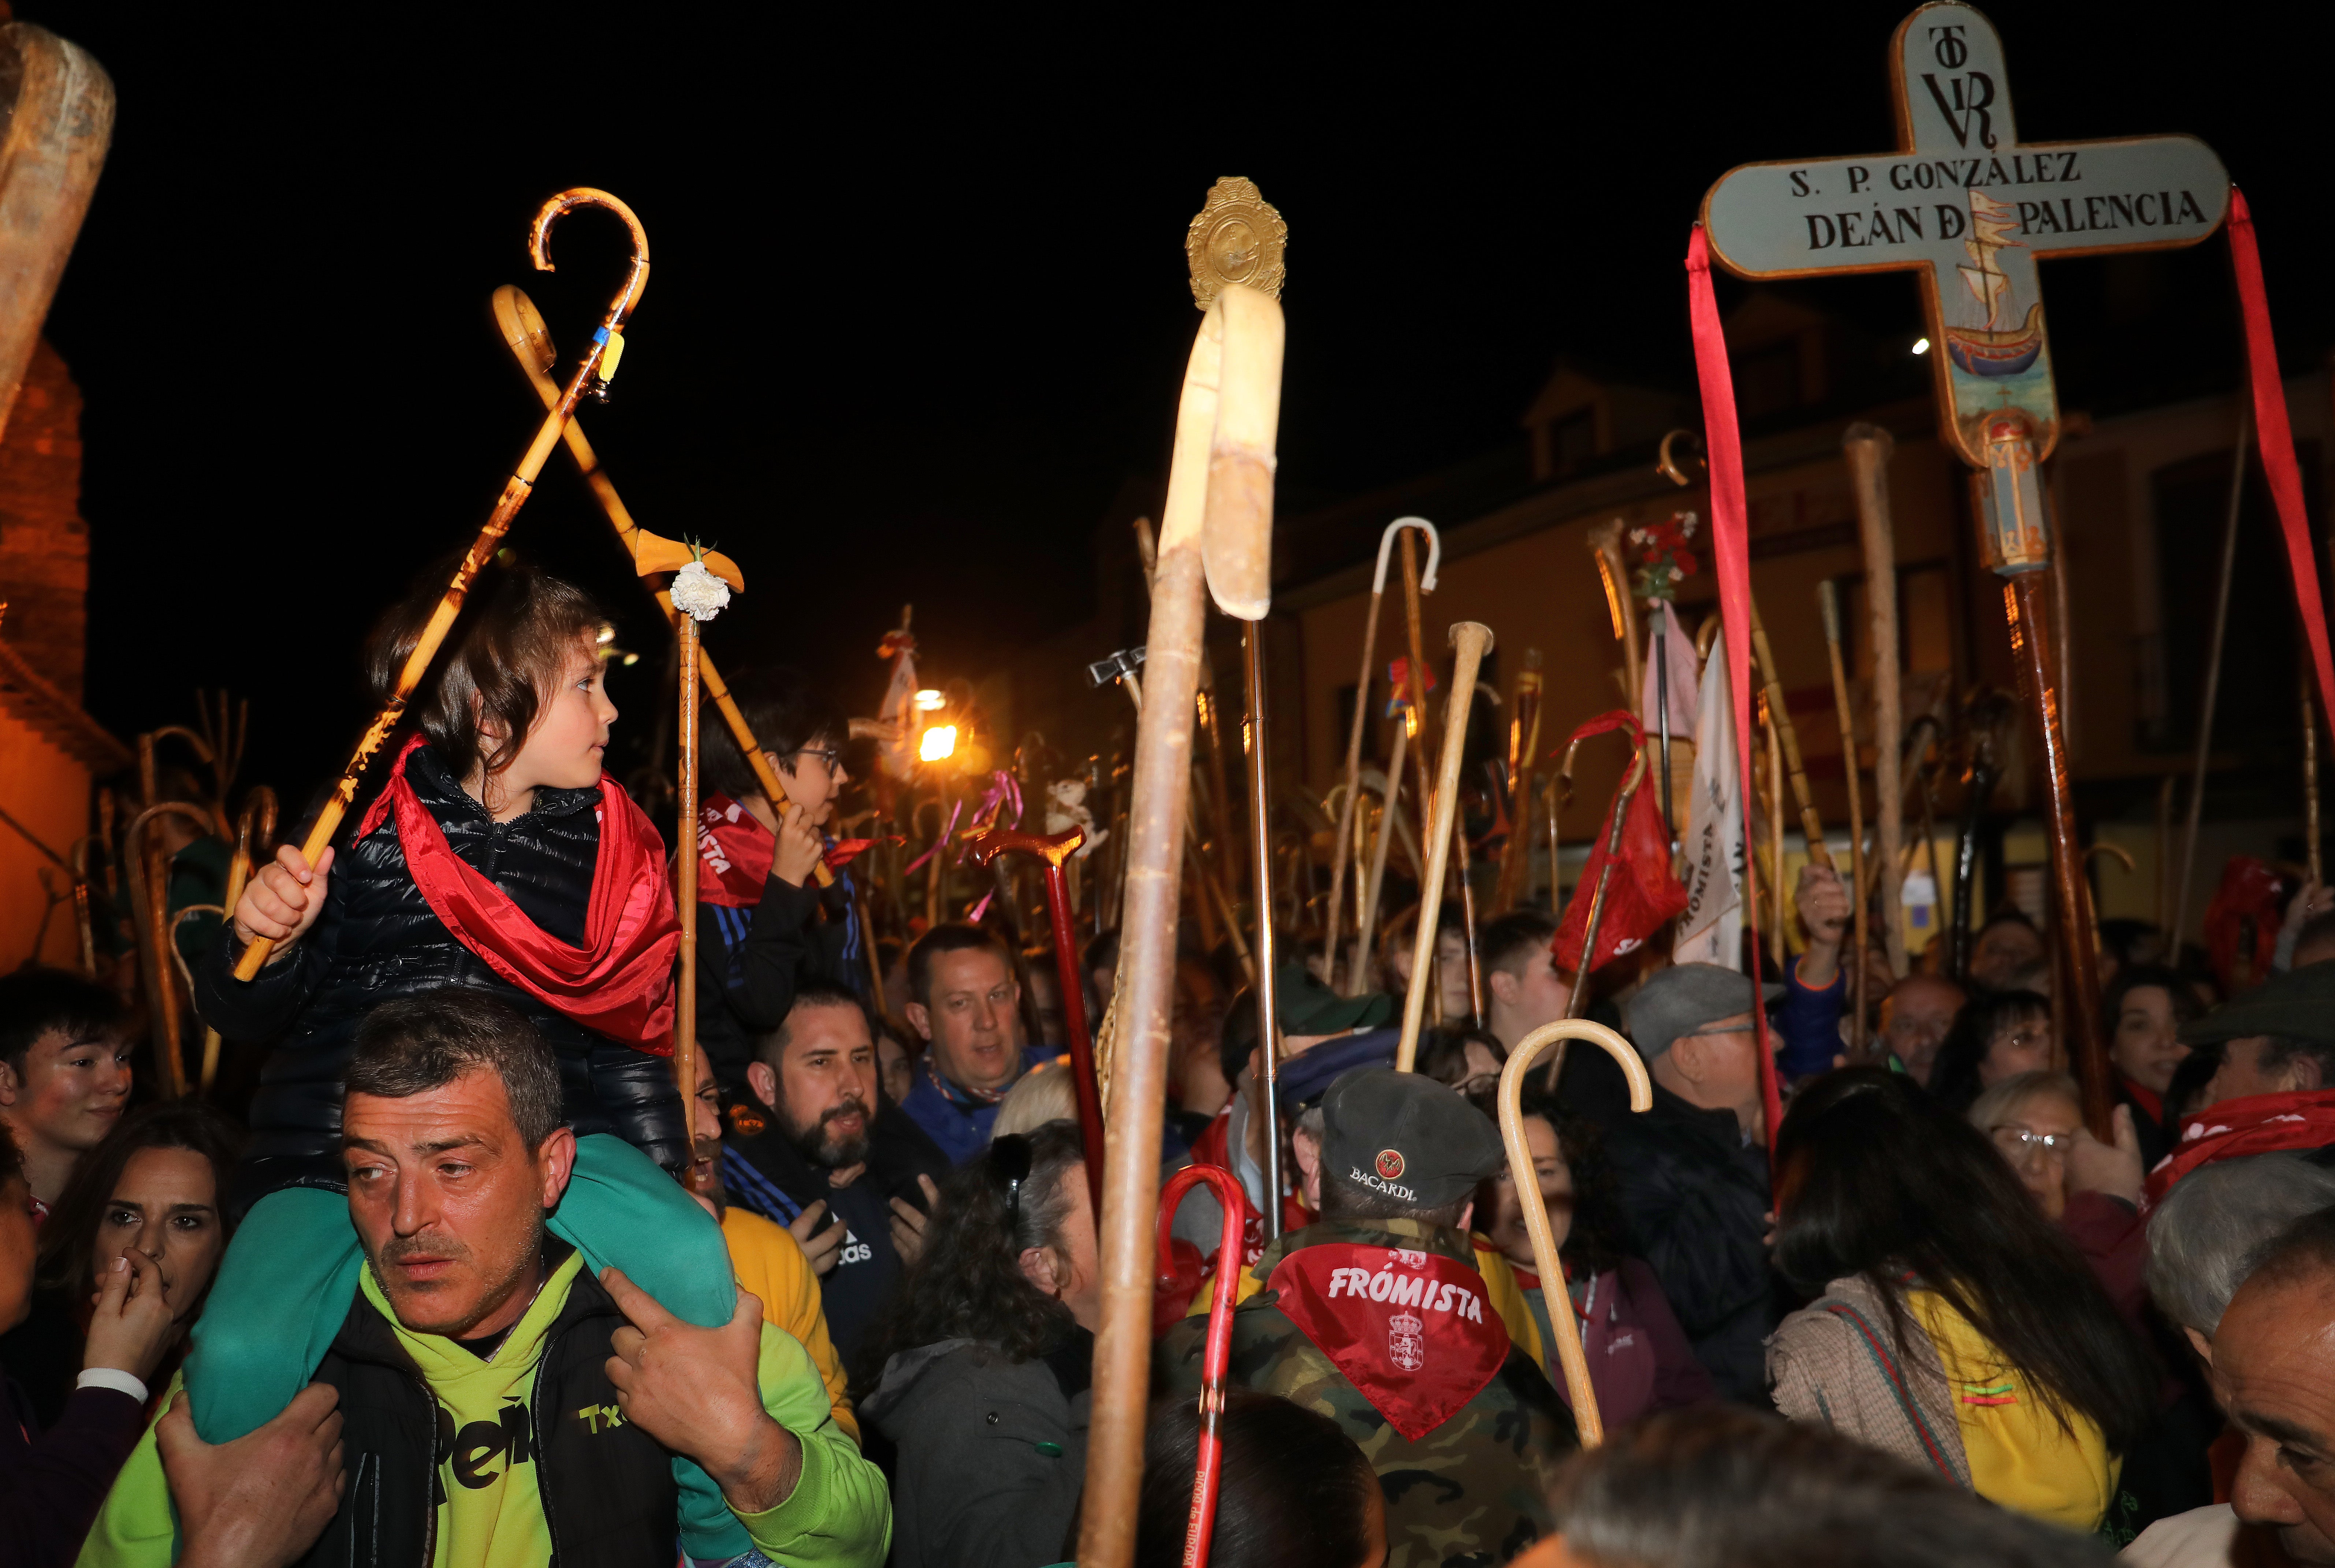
(1043,1095)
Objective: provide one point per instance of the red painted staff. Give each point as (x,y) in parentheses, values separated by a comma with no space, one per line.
(985,847)
(1207,1474)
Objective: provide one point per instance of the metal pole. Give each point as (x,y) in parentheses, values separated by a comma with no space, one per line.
(1268,1032)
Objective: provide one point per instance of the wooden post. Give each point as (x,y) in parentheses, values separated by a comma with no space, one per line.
(1867,449)
(1473,640)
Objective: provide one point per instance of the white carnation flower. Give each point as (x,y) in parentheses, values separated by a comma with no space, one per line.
(698,592)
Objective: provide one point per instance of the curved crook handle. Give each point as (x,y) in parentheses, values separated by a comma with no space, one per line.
(2122,855)
(636,273)
(530,341)
(1586,1417)
(992,842)
(1207,1473)
(1434,553)
(1670,467)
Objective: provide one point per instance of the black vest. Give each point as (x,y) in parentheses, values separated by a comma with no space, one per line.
(608,1487)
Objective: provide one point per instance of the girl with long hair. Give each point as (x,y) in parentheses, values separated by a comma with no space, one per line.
(1953,1325)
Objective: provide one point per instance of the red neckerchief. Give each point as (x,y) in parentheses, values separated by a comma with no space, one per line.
(1409,1329)
(2145,1098)
(619,983)
(2256,1124)
(734,854)
(1214,1147)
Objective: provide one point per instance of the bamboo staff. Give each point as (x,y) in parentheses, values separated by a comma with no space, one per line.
(1775,945)
(685,1023)
(1219,796)
(2212,682)
(1586,1417)
(149,900)
(1466,912)
(1265,982)
(255,831)
(1613,574)
(1362,717)
(1789,737)
(1473,640)
(607,348)
(1216,1355)
(529,342)
(1219,492)
(1867,449)
(2311,787)
(1390,818)
(1828,607)
(1524,747)
(1415,677)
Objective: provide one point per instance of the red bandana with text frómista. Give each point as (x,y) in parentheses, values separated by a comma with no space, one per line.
(1410,1330)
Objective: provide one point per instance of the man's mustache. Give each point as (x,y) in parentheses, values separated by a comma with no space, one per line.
(420,1248)
(852,1107)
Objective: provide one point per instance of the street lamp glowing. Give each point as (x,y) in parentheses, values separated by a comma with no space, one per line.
(927,700)
(1921,346)
(939,741)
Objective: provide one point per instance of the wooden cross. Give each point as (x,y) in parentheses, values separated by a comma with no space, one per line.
(1972,207)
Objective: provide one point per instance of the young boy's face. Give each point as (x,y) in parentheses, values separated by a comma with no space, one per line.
(70,1091)
(570,737)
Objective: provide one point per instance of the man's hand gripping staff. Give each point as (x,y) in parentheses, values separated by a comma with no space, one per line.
(606,345)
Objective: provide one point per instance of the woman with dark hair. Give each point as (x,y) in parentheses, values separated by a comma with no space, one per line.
(1296,1492)
(155,1185)
(2143,1011)
(983,1357)
(1640,1359)
(1467,1059)
(1954,1326)
(1998,1034)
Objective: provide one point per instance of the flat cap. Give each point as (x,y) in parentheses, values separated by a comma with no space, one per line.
(1405,1137)
(1684,997)
(2299,1004)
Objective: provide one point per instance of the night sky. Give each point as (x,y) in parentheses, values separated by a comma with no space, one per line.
(918,306)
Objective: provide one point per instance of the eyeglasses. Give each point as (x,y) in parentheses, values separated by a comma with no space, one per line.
(1009,1158)
(2024,1143)
(831,755)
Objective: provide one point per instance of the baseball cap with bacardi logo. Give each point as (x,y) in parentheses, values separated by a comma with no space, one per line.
(1405,1137)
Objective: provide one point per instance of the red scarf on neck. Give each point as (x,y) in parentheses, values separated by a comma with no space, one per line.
(619,983)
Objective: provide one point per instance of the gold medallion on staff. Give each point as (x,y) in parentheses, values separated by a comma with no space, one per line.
(1238,236)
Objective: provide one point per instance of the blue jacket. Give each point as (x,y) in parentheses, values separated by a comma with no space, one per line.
(954,1119)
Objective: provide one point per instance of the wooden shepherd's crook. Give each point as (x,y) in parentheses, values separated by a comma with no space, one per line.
(529,342)
(1218,520)
(1577,998)
(1362,719)
(1534,1209)
(606,343)
(1473,640)
(148,876)
(1390,822)
(1829,606)
(1867,449)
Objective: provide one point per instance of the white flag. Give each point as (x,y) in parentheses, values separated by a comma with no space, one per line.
(899,756)
(1712,929)
(1677,652)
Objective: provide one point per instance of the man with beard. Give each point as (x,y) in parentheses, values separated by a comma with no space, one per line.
(838,1163)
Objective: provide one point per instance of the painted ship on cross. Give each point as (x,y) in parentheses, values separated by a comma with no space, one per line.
(1993,351)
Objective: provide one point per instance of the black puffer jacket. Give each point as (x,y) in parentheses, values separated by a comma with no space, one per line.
(377,940)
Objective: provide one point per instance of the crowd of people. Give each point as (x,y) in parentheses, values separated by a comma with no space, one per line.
(469,1280)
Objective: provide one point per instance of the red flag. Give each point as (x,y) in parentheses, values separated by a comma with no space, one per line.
(1641,894)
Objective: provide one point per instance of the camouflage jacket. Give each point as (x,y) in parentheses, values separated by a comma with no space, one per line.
(1469,1494)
